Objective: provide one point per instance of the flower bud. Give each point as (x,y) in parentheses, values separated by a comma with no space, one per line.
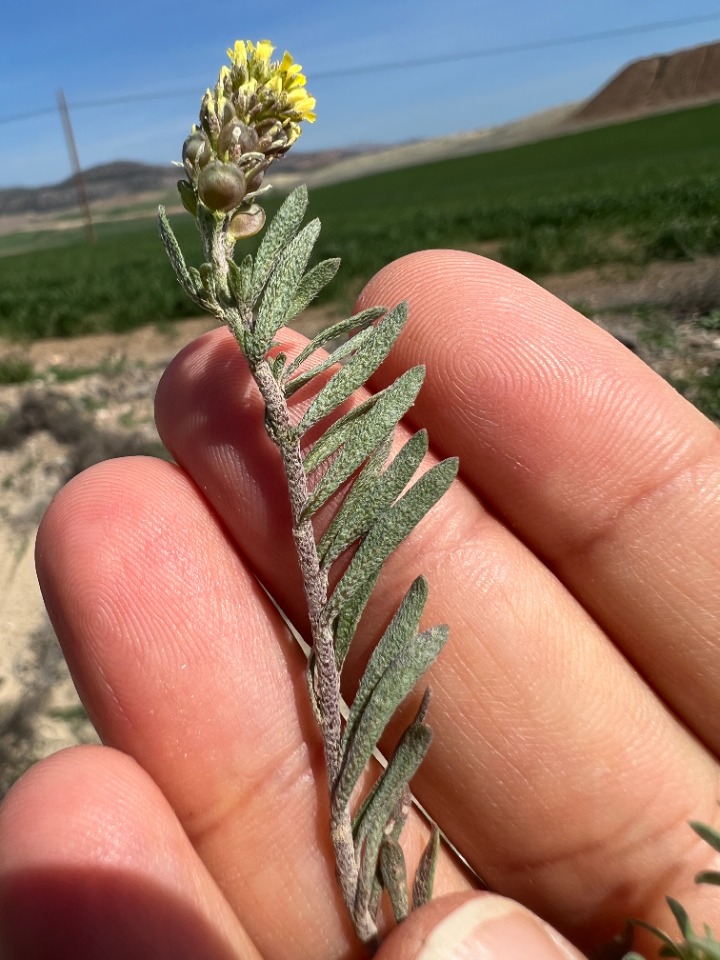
(235,139)
(188,196)
(221,186)
(196,150)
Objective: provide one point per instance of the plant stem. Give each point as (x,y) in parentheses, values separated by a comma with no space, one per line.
(326,677)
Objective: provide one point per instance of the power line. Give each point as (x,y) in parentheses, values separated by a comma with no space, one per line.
(392,65)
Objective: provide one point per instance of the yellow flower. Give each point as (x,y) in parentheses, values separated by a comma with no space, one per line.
(251,118)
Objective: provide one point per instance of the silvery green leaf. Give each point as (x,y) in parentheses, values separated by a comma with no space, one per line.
(366,500)
(281,230)
(360,435)
(394,876)
(390,529)
(277,365)
(388,788)
(358,368)
(310,285)
(357,322)
(239,278)
(282,285)
(336,435)
(401,631)
(187,281)
(706,833)
(398,679)
(344,350)
(681,917)
(708,876)
(349,617)
(384,813)
(425,873)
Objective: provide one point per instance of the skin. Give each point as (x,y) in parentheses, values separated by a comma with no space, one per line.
(574,709)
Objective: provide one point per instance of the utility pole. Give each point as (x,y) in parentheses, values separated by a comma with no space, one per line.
(75,165)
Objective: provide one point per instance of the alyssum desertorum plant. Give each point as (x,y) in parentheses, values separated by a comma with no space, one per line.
(251,118)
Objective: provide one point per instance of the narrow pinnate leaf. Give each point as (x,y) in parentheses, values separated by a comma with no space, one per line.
(349,616)
(425,873)
(366,501)
(707,833)
(390,529)
(186,280)
(279,233)
(282,285)
(394,876)
(311,285)
(399,678)
(346,349)
(708,876)
(681,917)
(240,278)
(385,810)
(361,434)
(400,632)
(357,370)
(357,322)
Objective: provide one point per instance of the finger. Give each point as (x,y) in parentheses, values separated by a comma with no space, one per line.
(475,927)
(185,665)
(604,470)
(549,749)
(94,866)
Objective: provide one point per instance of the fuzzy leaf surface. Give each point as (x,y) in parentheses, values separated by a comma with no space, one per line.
(282,285)
(381,812)
(357,322)
(175,255)
(399,678)
(360,435)
(391,528)
(311,285)
(356,371)
(401,631)
(240,278)
(425,873)
(366,500)
(278,234)
(349,617)
(344,350)
(394,876)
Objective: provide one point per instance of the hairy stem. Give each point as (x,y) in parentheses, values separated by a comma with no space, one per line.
(326,677)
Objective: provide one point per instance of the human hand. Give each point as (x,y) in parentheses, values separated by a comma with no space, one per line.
(574,708)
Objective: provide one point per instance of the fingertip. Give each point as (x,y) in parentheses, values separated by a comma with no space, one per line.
(477,926)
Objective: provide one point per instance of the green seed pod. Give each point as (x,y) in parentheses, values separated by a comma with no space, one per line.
(235,139)
(188,196)
(247,223)
(221,186)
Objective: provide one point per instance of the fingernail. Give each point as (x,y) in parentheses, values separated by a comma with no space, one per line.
(494,928)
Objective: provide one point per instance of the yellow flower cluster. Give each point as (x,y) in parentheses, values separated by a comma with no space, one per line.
(250,118)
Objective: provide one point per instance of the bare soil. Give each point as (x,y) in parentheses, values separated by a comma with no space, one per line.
(91,398)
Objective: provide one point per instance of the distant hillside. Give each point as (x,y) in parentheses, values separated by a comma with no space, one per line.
(655,84)
(125,178)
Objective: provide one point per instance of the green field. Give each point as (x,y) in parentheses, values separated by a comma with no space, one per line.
(634,192)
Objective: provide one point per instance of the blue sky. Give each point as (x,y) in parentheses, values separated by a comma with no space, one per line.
(101,50)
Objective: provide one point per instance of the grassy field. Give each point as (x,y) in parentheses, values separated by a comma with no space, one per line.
(633,192)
